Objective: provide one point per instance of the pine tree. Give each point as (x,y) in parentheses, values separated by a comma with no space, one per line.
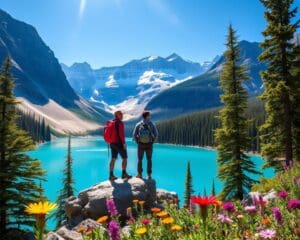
(234,165)
(188,192)
(277,137)
(19,173)
(296,101)
(213,188)
(68,186)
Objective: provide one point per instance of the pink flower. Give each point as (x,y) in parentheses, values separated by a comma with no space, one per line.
(267,233)
(111,207)
(251,209)
(277,214)
(294,204)
(146,221)
(283,194)
(228,206)
(224,218)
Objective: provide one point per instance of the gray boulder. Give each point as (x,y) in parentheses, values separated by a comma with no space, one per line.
(53,236)
(164,195)
(91,203)
(69,234)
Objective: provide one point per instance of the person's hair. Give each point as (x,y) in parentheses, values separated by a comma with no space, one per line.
(146,114)
(117,113)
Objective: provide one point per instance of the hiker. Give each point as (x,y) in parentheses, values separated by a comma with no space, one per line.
(115,136)
(145,134)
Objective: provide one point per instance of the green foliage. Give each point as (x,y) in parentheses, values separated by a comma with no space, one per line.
(19,173)
(67,188)
(232,137)
(188,191)
(277,137)
(198,128)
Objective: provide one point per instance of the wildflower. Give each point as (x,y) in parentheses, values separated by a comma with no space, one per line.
(168,220)
(102,219)
(176,228)
(294,204)
(141,231)
(277,214)
(218,203)
(260,201)
(155,210)
(282,194)
(41,208)
(129,212)
(81,229)
(135,201)
(114,230)
(111,207)
(224,218)
(146,221)
(240,216)
(203,201)
(265,221)
(267,233)
(251,209)
(162,214)
(228,206)
(141,203)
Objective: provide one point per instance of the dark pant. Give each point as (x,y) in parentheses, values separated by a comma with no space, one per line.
(148,149)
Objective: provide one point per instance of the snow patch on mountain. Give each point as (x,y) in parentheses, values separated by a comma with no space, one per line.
(112,82)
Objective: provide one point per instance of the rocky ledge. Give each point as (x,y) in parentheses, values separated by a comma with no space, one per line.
(91,203)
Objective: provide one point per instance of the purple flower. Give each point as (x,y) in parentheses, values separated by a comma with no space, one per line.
(267,233)
(224,218)
(251,209)
(294,204)
(228,206)
(277,214)
(283,194)
(111,207)
(114,230)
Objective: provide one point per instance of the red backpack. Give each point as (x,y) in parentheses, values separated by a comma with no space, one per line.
(109,131)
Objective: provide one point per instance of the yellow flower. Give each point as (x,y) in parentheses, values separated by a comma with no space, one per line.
(102,219)
(141,231)
(155,210)
(41,208)
(162,214)
(135,201)
(168,220)
(176,228)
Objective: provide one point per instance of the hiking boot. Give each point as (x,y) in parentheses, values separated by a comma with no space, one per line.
(126,175)
(113,178)
(139,176)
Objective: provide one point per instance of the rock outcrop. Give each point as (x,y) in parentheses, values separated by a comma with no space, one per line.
(91,203)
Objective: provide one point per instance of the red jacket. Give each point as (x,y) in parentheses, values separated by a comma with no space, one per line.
(118,136)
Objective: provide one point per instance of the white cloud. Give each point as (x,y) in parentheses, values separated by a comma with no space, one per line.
(164,11)
(82,8)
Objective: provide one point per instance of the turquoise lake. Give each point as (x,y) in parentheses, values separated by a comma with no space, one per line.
(91,162)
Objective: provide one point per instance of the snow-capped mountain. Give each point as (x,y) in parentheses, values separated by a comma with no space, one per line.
(131,86)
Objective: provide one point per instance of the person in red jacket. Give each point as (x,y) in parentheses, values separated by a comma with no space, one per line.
(118,146)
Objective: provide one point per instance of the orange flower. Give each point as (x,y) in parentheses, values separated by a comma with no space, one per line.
(155,210)
(162,214)
(218,203)
(141,203)
(168,220)
(176,228)
(265,221)
(81,229)
(102,219)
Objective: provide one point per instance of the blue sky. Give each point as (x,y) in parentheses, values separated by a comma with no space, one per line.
(112,32)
